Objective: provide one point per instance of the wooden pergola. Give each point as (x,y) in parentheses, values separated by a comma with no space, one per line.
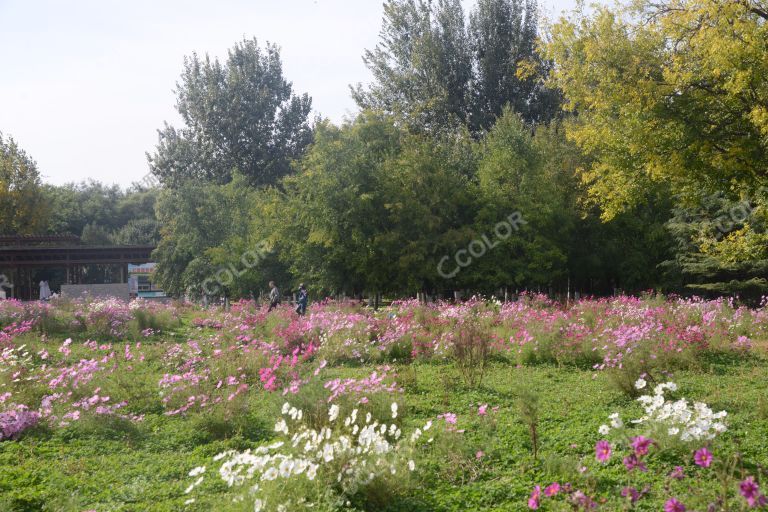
(21,256)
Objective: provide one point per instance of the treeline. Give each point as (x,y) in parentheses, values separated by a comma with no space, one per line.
(99,214)
(489,153)
(459,130)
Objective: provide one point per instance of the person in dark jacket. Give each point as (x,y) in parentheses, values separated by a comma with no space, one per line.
(301,300)
(274,296)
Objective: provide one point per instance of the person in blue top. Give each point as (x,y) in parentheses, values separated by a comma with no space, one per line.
(301,300)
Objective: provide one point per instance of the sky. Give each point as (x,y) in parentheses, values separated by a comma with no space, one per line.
(85,84)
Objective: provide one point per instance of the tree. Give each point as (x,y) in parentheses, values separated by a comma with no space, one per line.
(514,180)
(722,245)
(141,231)
(94,234)
(197,218)
(22,207)
(76,206)
(422,66)
(436,74)
(325,225)
(670,93)
(372,209)
(508,69)
(241,115)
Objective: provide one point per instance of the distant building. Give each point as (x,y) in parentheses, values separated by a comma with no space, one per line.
(67,265)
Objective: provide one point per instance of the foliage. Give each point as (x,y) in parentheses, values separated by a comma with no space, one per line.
(102,214)
(437,74)
(22,206)
(668,93)
(239,116)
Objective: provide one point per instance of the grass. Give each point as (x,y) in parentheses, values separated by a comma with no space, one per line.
(117,465)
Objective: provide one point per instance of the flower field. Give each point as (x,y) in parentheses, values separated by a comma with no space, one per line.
(623,403)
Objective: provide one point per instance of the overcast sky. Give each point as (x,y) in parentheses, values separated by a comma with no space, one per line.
(85,84)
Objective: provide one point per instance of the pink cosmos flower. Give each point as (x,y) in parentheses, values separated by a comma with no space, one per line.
(534,500)
(631,462)
(449,417)
(749,488)
(677,473)
(603,451)
(480,454)
(552,489)
(751,492)
(672,505)
(641,444)
(703,457)
(482,410)
(631,493)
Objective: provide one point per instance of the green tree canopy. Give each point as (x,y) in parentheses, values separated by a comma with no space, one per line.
(435,73)
(240,115)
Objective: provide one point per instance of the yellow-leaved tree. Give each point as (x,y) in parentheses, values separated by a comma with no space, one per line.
(22,207)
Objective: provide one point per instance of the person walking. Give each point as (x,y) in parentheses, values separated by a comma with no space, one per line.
(45,290)
(301,300)
(274,296)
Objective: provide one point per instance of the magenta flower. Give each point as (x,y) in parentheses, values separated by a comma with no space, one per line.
(631,493)
(603,451)
(672,505)
(631,462)
(482,410)
(552,489)
(534,500)
(640,444)
(751,492)
(703,457)
(581,500)
(677,473)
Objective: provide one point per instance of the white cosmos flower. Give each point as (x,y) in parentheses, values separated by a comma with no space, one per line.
(286,468)
(640,383)
(281,426)
(327,452)
(394,410)
(333,413)
(197,471)
(604,430)
(269,474)
(411,465)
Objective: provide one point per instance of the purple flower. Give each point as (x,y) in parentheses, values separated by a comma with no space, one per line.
(672,505)
(751,492)
(641,444)
(552,489)
(749,488)
(677,473)
(533,501)
(581,500)
(631,462)
(703,457)
(631,493)
(603,451)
